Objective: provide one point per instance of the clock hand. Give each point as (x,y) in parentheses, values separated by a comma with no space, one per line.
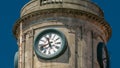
(43,46)
(49,42)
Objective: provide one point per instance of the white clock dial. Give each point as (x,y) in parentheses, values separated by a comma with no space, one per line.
(50,43)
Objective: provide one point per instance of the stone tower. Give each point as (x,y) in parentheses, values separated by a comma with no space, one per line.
(61,34)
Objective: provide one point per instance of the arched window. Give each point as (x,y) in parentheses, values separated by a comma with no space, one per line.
(102,55)
(16,60)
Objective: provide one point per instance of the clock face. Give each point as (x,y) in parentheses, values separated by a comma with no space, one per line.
(50,44)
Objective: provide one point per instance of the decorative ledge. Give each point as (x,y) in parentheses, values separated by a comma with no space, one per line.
(98,21)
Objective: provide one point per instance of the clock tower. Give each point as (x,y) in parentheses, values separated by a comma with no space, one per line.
(61,34)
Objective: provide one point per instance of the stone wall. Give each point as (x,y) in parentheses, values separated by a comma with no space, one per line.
(81,49)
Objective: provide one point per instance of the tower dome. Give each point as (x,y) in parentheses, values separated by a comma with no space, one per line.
(82,5)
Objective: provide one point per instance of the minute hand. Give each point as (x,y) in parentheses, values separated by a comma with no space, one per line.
(49,42)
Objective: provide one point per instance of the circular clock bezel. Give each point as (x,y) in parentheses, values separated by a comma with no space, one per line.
(57,54)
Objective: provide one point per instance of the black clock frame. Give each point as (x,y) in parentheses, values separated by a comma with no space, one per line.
(46,57)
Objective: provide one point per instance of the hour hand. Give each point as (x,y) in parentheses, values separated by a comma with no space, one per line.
(42,46)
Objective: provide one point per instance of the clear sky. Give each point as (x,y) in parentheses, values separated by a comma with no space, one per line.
(10,11)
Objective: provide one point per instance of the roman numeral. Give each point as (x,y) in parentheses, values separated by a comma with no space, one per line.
(58,43)
(57,47)
(50,35)
(43,41)
(41,48)
(54,50)
(44,51)
(49,52)
(53,36)
(57,39)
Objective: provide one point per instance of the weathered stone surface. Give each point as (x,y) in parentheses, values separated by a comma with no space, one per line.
(83,5)
(81,51)
(80,21)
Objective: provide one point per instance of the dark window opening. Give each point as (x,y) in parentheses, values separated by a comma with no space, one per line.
(102,55)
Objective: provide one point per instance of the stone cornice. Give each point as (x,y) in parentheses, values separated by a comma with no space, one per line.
(83,5)
(97,20)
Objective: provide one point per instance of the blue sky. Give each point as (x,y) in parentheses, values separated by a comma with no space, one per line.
(10,11)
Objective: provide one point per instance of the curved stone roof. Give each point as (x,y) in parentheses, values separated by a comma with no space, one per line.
(84,5)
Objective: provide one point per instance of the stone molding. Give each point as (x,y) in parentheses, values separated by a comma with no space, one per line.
(83,5)
(94,19)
